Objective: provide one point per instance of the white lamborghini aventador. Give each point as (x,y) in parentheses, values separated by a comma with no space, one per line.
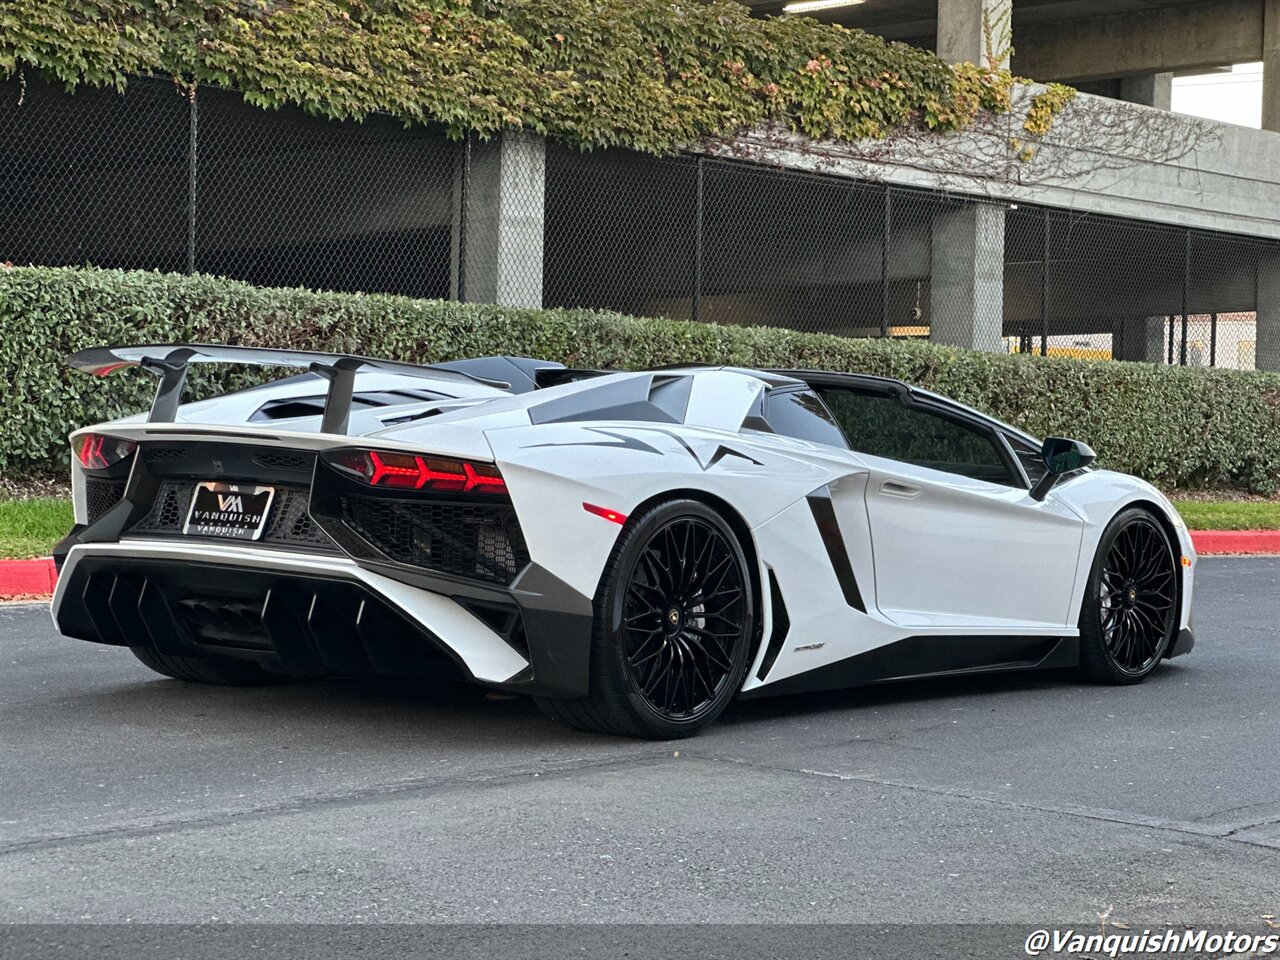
(632,549)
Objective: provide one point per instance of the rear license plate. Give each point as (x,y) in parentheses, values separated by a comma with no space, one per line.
(236,511)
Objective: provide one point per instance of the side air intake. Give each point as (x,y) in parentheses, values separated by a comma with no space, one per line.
(781,627)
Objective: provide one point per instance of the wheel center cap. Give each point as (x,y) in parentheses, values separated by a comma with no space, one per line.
(1131,595)
(674,618)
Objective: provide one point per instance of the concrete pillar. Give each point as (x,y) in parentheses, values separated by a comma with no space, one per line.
(1152,90)
(1268,344)
(1141,339)
(500,248)
(966,278)
(972,31)
(1271,65)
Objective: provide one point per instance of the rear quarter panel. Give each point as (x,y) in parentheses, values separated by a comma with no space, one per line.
(553,469)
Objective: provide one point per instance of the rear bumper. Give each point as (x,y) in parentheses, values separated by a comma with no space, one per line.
(320,615)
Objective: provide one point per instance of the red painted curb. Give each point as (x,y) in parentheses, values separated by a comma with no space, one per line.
(1209,542)
(19,578)
(25,578)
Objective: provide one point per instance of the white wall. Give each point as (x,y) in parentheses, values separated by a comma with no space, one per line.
(1234,97)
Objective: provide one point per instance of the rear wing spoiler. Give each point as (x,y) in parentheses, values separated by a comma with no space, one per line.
(169,363)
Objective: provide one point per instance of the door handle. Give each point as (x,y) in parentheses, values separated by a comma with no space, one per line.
(896,488)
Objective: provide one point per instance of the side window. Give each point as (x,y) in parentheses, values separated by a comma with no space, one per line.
(881,425)
(803,415)
(1028,455)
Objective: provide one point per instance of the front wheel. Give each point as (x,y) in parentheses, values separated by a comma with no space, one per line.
(1130,606)
(674,627)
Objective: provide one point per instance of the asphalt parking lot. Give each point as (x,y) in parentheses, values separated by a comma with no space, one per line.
(1005,799)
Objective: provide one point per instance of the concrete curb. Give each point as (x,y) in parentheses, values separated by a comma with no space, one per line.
(27,578)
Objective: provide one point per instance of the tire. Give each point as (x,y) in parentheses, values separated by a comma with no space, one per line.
(1130,611)
(674,627)
(222,671)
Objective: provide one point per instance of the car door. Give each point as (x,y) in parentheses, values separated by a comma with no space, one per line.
(957,540)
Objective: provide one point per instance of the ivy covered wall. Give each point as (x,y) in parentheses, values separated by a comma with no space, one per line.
(652,75)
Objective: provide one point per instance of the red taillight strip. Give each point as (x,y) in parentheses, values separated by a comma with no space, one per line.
(96,451)
(427,475)
(380,468)
(605,512)
(392,473)
(481,480)
(91,452)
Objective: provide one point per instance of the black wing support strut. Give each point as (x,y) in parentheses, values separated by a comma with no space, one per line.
(172,371)
(341,375)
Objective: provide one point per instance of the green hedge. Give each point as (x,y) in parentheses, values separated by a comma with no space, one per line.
(653,75)
(1184,428)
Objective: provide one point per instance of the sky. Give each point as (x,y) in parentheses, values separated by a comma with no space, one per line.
(1234,97)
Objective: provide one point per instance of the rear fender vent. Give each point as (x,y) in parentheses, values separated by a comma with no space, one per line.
(781,627)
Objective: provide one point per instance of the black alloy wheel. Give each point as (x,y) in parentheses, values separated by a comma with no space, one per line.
(683,617)
(675,627)
(1134,597)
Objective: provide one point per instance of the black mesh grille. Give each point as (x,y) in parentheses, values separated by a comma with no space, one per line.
(289,523)
(477,541)
(101,496)
(283,461)
(164,454)
(173,501)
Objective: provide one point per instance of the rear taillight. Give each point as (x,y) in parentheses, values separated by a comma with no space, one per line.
(98,452)
(406,471)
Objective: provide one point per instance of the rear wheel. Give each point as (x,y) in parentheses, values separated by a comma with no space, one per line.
(1130,605)
(674,627)
(222,671)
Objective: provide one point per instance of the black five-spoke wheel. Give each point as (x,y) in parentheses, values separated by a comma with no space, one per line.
(1130,611)
(675,626)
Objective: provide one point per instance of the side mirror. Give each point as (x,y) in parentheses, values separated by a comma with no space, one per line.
(1060,456)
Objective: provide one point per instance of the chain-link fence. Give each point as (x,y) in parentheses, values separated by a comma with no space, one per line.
(158,179)
(285,199)
(1102,287)
(731,242)
(94,178)
(727,242)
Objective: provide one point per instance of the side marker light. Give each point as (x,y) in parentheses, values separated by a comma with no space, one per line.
(605,512)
